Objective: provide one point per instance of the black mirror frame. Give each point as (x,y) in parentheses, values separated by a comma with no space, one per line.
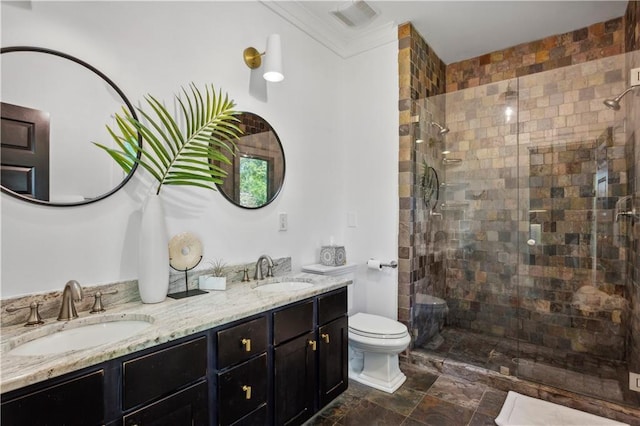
(113,86)
(284,171)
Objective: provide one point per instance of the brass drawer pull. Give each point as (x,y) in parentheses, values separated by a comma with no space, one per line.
(325,337)
(247,391)
(247,345)
(313,344)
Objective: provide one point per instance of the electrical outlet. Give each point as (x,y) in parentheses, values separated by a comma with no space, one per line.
(634,78)
(282,222)
(634,382)
(352,220)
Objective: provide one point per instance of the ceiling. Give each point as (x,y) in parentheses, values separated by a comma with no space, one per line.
(456,30)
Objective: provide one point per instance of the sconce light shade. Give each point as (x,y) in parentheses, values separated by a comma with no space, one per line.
(273,59)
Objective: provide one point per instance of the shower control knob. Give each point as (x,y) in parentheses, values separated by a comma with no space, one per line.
(531,242)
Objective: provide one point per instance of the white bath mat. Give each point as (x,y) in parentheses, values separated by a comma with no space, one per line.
(521,410)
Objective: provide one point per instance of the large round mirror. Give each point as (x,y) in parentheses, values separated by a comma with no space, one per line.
(53,107)
(256,174)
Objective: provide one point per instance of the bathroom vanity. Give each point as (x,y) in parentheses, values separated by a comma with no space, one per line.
(242,356)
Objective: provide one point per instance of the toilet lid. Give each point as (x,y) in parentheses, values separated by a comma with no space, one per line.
(376,326)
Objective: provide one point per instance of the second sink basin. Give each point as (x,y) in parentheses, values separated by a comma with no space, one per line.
(284,286)
(81,336)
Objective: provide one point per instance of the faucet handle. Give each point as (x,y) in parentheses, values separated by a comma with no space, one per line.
(97,304)
(245,275)
(34,316)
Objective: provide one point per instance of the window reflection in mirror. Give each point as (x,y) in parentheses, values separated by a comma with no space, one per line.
(256,174)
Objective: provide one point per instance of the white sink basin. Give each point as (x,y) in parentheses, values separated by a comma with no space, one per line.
(284,286)
(81,336)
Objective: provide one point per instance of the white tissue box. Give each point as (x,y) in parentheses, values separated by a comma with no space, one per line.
(212,283)
(333,256)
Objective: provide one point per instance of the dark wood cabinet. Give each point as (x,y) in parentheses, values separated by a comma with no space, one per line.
(295,379)
(242,390)
(242,341)
(310,369)
(278,367)
(188,407)
(73,401)
(162,372)
(333,352)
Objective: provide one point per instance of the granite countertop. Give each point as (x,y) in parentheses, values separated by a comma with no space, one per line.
(171,319)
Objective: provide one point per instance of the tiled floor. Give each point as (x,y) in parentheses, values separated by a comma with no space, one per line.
(424,399)
(576,372)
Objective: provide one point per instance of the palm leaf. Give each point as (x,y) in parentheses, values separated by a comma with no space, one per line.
(175,155)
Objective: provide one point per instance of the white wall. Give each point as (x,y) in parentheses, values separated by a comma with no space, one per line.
(371,175)
(337,121)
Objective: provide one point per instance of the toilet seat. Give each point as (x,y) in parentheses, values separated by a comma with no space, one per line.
(376,327)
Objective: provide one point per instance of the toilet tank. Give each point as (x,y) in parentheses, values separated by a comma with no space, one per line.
(347,272)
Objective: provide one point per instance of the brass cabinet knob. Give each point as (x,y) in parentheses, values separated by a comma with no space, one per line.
(247,391)
(247,344)
(313,344)
(325,337)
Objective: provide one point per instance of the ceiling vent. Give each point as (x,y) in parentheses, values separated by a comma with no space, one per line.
(356,14)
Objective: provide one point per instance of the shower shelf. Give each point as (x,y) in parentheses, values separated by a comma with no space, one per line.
(453,206)
(454,185)
(447,161)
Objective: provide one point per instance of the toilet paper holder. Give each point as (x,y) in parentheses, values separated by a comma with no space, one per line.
(392,264)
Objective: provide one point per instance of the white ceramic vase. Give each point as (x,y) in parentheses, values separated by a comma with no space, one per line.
(153,252)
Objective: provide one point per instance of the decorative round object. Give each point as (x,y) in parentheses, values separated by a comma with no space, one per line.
(429,186)
(185,251)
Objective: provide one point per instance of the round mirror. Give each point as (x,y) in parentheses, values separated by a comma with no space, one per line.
(256,174)
(53,107)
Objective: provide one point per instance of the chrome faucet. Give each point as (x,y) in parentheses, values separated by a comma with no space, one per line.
(72,293)
(258,274)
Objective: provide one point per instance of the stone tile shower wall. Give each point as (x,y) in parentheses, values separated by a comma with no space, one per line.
(421,75)
(554,177)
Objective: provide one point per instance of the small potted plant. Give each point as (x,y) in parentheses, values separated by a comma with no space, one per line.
(217,280)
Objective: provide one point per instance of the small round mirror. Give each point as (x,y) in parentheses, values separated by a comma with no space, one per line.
(256,173)
(53,107)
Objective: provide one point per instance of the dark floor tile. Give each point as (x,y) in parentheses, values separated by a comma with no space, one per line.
(492,402)
(458,391)
(402,401)
(436,412)
(479,419)
(418,379)
(411,422)
(319,420)
(371,414)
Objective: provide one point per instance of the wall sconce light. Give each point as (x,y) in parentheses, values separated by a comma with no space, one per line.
(272,59)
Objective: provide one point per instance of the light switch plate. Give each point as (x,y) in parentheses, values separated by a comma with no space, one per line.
(634,382)
(634,78)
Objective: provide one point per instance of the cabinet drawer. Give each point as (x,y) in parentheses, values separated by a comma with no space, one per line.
(241,342)
(187,407)
(332,306)
(159,373)
(256,418)
(242,389)
(292,322)
(79,401)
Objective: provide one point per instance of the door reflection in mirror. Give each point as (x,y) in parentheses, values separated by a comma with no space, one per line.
(256,174)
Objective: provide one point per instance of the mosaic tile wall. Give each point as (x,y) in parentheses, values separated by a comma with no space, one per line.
(421,75)
(535,180)
(422,266)
(632,26)
(586,44)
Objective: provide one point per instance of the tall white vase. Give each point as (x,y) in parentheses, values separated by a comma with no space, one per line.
(153,252)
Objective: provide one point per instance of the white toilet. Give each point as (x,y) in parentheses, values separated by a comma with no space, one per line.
(374,341)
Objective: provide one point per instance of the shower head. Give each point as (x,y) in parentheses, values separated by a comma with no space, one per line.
(441,129)
(614,103)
